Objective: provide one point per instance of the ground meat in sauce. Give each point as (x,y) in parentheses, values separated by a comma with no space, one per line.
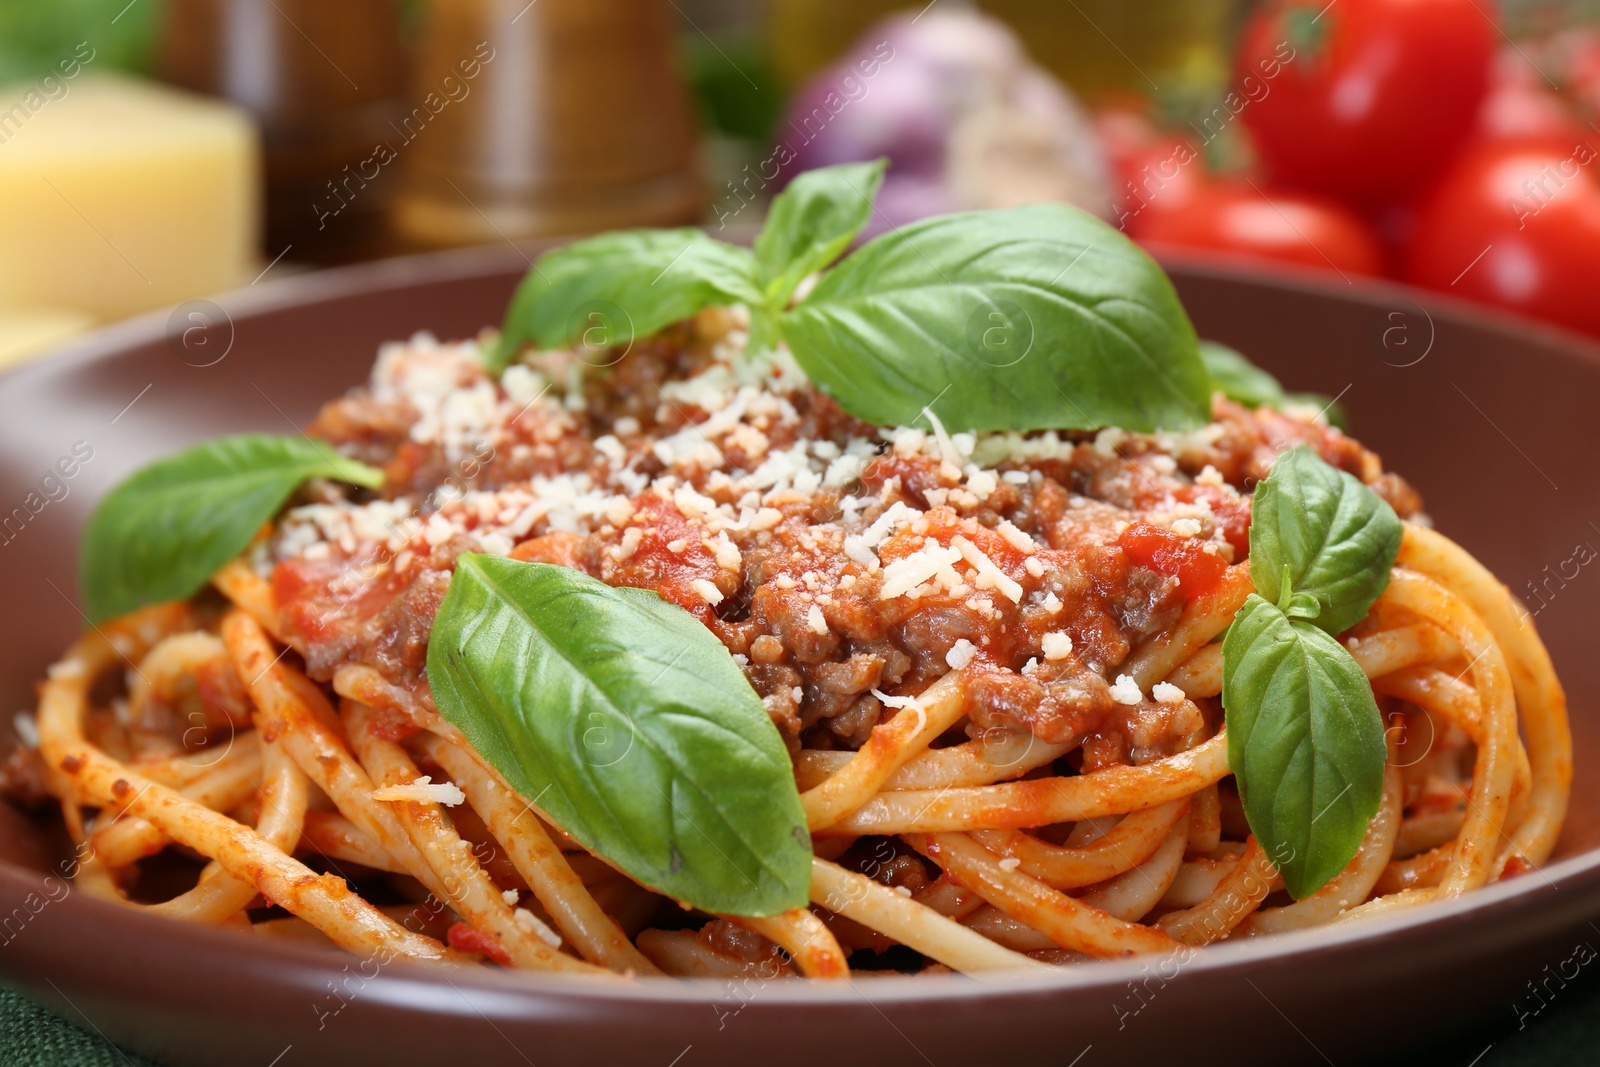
(755,503)
(1061,702)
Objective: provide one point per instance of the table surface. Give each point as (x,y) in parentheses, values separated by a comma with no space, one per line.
(1565,1031)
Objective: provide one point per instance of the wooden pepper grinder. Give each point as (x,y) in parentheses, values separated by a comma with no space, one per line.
(528,119)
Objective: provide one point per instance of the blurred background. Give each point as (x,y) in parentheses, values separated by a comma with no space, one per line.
(153,151)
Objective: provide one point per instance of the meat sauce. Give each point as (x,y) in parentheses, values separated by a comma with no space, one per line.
(788,529)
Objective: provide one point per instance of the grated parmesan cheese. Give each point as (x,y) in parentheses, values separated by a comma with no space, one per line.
(423,790)
(1019,538)
(537,927)
(947,447)
(1166,693)
(989,575)
(1107,440)
(815,621)
(895,702)
(907,440)
(897,515)
(630,542)
(982,484)
(708,592)
(960,654)
(1126,690)
(1056,645)
(904,575)
(727,554)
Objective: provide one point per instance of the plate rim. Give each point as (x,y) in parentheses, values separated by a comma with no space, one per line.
(1566,881)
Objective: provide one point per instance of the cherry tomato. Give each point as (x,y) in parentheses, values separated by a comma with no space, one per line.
(1516,225)
(1154,170)
(1521,105)
(1290,227)
(1124,130)
(1524,112)
(1131,140)
(1159,181)
(1364,100)
(1197,570)
(1573,55)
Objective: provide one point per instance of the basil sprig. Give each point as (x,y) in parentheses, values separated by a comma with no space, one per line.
(652,278)
(1326,535)
(162,533)
(604,291)
(625,719)
(812,222)
(1305,738)
(1030,318)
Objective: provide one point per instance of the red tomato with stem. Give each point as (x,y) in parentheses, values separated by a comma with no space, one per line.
(1372,97)
(1237,218)
(1516,225)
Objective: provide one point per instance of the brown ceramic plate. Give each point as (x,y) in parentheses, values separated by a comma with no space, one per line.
(1492,418)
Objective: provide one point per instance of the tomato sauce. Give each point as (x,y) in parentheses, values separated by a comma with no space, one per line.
(834,560)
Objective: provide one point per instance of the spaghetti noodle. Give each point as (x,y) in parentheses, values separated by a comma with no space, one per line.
(1004,718)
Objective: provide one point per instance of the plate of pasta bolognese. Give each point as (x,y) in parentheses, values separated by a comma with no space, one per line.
(965,644)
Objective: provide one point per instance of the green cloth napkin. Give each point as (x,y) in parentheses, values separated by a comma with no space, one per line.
(30,1036)
(1565,1032)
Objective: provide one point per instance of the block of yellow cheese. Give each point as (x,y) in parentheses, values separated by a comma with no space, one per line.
(117,196)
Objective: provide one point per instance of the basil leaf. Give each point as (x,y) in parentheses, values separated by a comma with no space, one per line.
(1241,381)
(1305,742)
(1329,535)
(1029,318)
(628,722)
(162,533)
(605,291)
(1236,378)
(812,221)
